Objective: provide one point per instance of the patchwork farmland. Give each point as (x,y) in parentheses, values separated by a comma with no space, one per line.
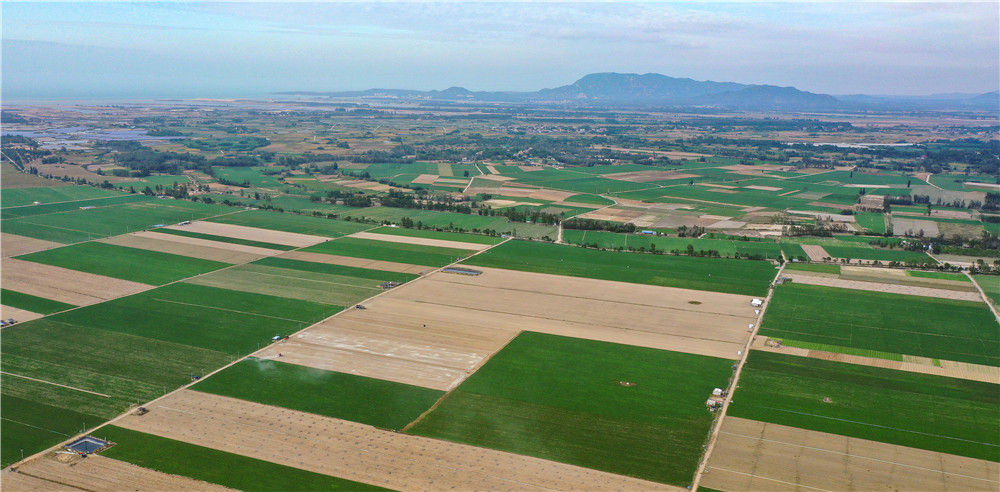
(415,297)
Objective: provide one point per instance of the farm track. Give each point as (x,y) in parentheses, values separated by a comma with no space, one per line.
(985,298)
(733,384)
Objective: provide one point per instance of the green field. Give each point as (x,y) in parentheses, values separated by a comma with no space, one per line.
(214,466)
(139,265)
(126,368)
(958,277)
(50,208)
(561,399)
(413,254)
(375,402)
(948,415)
(342,270)
(81,225)
(874,222)
(444,235)
(29,426)
(15,197)
(32,303)
(225,239)
(925,326)
(130,350)
(900,255)
(724,247)
(991,286)
(589,199)
(300,280)
(302,224)
(223,320)
(746,277)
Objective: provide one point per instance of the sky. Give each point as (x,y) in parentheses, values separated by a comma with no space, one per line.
(186,49)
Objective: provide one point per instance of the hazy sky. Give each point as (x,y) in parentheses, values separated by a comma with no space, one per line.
(77,50)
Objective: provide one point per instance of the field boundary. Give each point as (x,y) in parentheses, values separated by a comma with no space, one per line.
(717,426)
(235,360)
(55,384)
(986,298)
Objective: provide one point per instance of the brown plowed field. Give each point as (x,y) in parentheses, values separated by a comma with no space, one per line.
(806,278)
(191,246)
(425,179)
(751,455)
(359,452)
(19,315)
(814,252)
(14,245)
(439,329)
(251,233)
(95,473)
(422,241)
(647,176)
(388,266)
(63,284)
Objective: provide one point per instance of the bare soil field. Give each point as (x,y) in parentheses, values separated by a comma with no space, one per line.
(535,193)
(492,169)
(500,203)
(425,179)
(911,363)
(726,224)
(763,188)
(190,246)
(251,233)
(389,266)
(808,278)
(63,284)
(751,455)
(756,169)
(357,451)
(442,243)
(612,214)
(67,472)
(714,185)
(814,252)
(647,176)
(901,225)
(436,331)
(530,168)
(897,276)
(19,315)
(14,245)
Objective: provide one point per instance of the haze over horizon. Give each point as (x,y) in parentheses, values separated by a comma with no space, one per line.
(138,50)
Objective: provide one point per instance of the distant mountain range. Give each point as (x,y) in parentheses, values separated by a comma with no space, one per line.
(653,90)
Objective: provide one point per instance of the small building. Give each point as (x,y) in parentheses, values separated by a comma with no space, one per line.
(757,302)
(651,233)
(871,203)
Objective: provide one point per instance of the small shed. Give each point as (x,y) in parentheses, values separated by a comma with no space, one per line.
(757,302)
